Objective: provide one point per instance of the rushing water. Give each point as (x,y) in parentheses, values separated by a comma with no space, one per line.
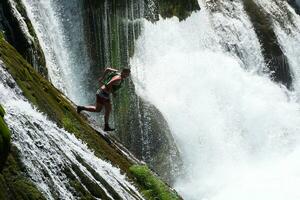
(59,27)
(238,131)
(47,150)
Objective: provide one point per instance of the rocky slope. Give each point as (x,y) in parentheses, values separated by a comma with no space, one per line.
(60,110)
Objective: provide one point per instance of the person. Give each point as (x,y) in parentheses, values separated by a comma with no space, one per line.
(110,82)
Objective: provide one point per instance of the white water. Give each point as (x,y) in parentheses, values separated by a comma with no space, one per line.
(59,27)
(47,150)
(236,33)
(238,132)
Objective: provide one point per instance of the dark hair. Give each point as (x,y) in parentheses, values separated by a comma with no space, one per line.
(126,70)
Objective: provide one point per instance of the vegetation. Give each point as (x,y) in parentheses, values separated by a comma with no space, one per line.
(4,139)
(152,185)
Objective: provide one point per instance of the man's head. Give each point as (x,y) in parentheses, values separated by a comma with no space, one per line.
(125,72)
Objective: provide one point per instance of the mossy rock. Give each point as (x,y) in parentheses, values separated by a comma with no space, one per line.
(13,183)
(59,109)
(2,111)
(153,187)
(29,47)
(4,139)
(55,105)
(179,8)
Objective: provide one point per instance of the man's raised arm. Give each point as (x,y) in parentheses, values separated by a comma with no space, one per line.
(107,70)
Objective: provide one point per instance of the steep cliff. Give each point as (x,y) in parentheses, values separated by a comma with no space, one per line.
(60,110)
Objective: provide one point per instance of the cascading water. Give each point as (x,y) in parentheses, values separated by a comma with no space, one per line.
(238,131)
(59,27)
(231,24)
(48,151)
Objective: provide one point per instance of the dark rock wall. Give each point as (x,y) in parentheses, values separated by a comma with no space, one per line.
(296,5)
(179,8)
(18,30)
(273,54)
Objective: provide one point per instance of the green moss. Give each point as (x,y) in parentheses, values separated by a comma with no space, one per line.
(2,111)
(1,34)
(4,139)
(154,188)
(13,183)
(68,125)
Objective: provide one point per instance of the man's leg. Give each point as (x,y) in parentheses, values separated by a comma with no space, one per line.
(108,109)
(96,108)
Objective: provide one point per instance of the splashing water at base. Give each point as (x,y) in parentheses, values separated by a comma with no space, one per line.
(238,132)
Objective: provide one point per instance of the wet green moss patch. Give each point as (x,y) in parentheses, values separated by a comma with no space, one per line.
(2,111)
(154,188)
(4,139)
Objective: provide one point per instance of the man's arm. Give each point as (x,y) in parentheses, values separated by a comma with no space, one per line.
(107,70)
(114,81)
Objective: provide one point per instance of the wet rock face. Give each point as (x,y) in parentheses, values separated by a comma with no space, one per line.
(296,5)
(18,30)
(273,54)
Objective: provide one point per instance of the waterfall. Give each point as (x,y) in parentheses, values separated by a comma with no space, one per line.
(59,27)
(238,131)
(53,157)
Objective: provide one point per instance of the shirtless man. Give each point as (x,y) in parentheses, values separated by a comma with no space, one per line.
(108,85)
